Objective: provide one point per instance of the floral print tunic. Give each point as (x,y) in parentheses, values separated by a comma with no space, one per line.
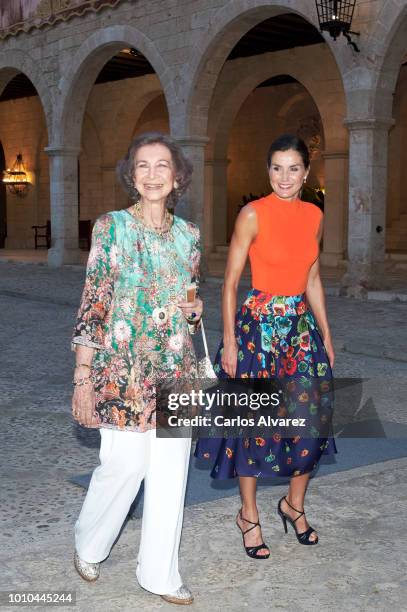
(135,277)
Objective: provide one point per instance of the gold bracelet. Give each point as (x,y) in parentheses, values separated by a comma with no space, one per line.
(82,365)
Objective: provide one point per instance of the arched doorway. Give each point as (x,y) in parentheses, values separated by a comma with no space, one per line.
(278,105)
(111,75)
(24,129)
(281,47)
(126,99)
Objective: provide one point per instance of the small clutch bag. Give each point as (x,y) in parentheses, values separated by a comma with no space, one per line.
(205,367)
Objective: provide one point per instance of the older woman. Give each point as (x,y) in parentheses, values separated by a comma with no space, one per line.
(276,336)
(132,331)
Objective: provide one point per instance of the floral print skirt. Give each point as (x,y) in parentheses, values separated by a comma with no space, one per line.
(278,338)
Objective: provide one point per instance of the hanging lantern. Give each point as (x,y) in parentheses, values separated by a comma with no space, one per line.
(16,179)
(335,17)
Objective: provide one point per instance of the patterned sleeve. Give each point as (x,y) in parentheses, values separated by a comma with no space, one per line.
(98,290)
(195,259)
(195,255)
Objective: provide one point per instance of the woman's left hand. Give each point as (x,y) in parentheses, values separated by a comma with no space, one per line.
(192,310)
(329,347)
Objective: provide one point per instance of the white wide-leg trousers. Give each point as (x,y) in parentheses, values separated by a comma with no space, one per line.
(126,458)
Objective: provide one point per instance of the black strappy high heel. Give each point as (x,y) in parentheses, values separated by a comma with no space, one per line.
(303,538)
(252,551)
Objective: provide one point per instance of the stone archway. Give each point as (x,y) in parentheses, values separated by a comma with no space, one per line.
(229,97)
(370,89)
(16,61)
(388,42)
(230,23)
(25,121)
(75,88)
(228,26)
(86,65)
(394,48)
(237,81)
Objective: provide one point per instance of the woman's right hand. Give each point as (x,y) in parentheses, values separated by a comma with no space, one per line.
(229,358)
(83,405)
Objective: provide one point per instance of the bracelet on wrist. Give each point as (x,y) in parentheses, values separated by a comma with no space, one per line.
(82,365)
(80,382)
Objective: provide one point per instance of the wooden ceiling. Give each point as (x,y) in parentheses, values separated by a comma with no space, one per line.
(283,32)
(276,34)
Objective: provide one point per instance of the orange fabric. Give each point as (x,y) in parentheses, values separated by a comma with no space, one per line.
(286,245)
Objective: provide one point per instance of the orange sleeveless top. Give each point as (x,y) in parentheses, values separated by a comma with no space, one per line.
(286,245)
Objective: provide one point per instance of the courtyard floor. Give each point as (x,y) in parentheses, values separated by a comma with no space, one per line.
(358,502)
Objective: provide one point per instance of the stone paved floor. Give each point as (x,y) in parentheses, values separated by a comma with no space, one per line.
(360,563)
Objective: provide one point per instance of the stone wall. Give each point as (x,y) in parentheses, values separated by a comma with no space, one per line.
(187,43)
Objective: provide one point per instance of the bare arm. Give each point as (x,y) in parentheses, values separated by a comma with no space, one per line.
(316,298)
(84,357)
(244,233)
(83,399)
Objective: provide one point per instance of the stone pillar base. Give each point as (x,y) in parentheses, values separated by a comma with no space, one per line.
(361,278)
(58,257)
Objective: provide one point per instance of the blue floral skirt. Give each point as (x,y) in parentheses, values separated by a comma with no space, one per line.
(277,338)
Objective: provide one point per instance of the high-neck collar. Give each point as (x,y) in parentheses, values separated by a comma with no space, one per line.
(273,197)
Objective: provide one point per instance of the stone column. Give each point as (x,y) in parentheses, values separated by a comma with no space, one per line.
(215,208)
(208,211)
(64,206)
(368,144)
(192,205)
(336,192)
(109,187)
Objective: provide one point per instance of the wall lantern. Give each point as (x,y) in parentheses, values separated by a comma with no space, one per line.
(16,179)
(335,17)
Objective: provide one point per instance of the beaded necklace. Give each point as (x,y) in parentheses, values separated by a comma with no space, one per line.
(163,229)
